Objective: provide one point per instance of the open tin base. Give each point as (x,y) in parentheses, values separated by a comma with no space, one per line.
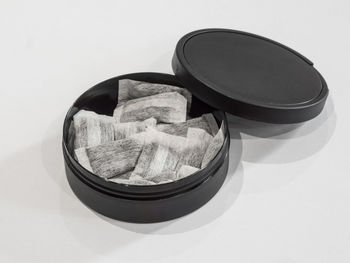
(150,203)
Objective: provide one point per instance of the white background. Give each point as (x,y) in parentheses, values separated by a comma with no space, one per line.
(288,199)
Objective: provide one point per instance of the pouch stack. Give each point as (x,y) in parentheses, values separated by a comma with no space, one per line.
(150,139)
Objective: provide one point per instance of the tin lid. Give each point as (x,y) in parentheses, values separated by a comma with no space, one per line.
(249,76)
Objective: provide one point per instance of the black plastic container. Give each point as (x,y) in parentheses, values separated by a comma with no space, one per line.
(237,72)
(150,203)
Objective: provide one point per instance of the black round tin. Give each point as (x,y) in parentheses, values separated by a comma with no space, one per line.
(226,71)
(249,76)
(150,203)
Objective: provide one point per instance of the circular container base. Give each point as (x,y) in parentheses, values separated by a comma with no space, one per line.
(142,204)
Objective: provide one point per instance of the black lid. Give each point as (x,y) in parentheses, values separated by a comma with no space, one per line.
(249,76)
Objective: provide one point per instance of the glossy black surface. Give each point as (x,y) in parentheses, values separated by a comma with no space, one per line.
(132,203)
(249,76)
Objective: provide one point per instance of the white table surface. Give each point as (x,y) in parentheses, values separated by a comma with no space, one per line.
(286,201)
